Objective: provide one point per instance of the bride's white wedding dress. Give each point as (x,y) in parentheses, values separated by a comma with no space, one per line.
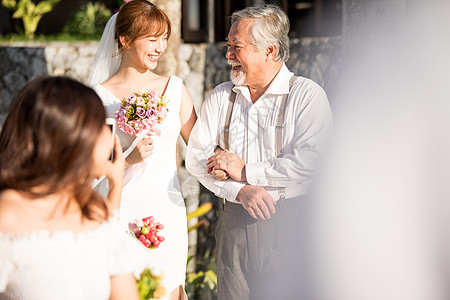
(151,188)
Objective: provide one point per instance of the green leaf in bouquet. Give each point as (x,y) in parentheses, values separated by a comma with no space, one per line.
(130,114)
(149,285)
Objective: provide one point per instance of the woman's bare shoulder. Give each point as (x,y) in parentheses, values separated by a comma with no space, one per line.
(9,197)
(10,216)
(21,214)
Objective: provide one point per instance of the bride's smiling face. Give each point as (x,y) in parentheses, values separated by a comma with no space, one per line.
(144,52)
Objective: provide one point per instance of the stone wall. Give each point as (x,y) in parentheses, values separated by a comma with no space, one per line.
(318,59)
(24,61)
(191,69)
(18,65)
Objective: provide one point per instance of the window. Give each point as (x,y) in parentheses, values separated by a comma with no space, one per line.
(194,20)
(309,18)
(314,17)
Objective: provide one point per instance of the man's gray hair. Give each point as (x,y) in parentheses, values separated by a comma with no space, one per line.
(270,26)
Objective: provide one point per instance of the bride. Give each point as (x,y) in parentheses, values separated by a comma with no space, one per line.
(131,44)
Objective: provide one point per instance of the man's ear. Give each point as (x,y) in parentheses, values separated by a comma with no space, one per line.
(271,52)
(124,41)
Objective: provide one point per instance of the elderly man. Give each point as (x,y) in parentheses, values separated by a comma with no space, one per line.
(255,145)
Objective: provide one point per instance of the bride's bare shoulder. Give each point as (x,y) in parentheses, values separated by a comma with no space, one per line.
(111,83)
(9,210)
(165,78)
(159,80)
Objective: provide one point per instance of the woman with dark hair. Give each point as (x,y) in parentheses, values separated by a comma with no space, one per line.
(131,44)
(57,239)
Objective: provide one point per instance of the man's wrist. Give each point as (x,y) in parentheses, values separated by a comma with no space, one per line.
(231,189)
(241,190)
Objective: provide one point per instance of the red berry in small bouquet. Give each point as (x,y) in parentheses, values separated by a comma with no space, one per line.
(146,230)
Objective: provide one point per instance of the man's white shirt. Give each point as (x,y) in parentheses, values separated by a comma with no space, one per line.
(252,136)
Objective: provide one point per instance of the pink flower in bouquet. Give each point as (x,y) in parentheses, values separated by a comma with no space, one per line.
(135,227)
(146,230)
(141,111)
(140,101)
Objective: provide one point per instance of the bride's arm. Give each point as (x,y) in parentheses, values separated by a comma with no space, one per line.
(143,150)
(187,114)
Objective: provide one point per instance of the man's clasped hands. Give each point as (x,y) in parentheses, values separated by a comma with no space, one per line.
(255,199)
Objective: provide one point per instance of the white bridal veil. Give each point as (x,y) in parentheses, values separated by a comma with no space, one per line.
(106,63)
(107,59)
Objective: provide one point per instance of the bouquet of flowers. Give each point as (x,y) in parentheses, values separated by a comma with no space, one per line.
(146,230)
(141,111)
(149,285)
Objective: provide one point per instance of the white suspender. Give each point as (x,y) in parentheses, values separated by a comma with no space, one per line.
(279,128)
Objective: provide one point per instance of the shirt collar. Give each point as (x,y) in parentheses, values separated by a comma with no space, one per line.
(279,85)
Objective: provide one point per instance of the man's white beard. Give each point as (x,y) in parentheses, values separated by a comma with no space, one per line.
(237,77)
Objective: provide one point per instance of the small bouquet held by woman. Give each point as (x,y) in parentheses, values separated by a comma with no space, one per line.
(147,231)
(141,112)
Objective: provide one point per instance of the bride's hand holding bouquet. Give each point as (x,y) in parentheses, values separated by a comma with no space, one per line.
(143,150)
(138,116)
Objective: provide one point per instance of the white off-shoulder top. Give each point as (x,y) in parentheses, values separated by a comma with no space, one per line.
(67,265)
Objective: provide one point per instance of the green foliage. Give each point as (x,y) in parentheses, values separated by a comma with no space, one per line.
(121,2)
(29,12)
(64,37)
(200,211)
(89,21)
(149,285)
(9,3)
(202,285)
